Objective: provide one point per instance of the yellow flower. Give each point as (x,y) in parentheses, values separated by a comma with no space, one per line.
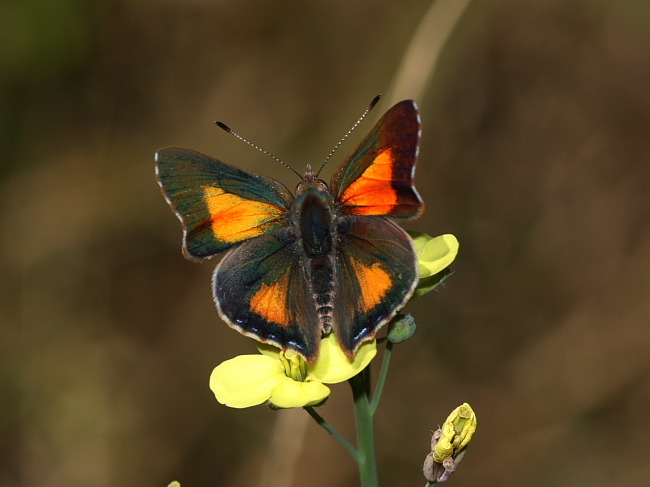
(456,433)
(434,253)
(283,378)
(448,444)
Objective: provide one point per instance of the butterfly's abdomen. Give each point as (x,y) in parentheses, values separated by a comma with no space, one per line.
(315,223)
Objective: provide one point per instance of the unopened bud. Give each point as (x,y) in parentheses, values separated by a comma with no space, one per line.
(457,432)
(401,328)
(448,444)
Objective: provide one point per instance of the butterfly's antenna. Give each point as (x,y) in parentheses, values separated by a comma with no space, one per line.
(370,107)
(225,127)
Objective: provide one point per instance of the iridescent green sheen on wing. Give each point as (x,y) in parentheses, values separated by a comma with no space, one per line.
(209,196)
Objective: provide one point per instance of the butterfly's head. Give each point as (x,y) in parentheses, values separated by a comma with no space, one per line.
(311,181)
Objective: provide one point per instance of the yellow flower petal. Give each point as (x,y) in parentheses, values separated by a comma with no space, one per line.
(333,366)
(444,448)
(268,350)
(464,421)
(292,394)
(456,433)
(246,380)
(434,254)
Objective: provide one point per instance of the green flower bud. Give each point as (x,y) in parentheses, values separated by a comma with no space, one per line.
(401,328)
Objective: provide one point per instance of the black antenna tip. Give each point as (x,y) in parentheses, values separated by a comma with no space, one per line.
(374,101)
(223,126)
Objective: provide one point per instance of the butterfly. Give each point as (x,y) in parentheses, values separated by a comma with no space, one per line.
(295,268)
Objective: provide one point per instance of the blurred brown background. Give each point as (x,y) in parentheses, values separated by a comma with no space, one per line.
(535,154)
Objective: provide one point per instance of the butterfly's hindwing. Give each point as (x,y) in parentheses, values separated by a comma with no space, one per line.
(260,290)
(377,273)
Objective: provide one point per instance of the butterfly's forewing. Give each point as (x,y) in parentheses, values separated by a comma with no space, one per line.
(218,204)
(377,177)
(377,275)
(260,290)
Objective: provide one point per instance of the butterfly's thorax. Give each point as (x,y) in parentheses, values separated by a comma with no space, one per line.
(314,220)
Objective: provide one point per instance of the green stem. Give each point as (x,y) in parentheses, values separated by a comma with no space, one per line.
(367,462)
(383,373)
(335,434)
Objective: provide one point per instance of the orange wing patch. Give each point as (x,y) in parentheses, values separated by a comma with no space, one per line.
(374,282)
(270,301)
(234,218)
(372,193)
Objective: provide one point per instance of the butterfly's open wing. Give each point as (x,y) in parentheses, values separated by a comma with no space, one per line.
(377,275)
(218,204)
(259,288)
(377,177)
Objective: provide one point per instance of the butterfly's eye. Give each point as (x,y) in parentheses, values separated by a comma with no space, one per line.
(319,183)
